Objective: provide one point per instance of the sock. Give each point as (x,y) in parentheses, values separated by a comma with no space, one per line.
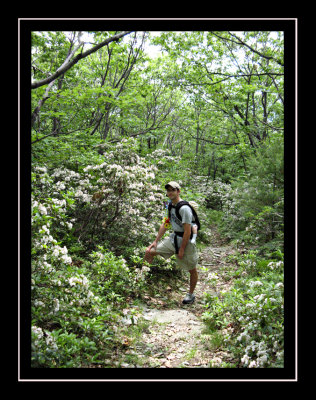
(193,238)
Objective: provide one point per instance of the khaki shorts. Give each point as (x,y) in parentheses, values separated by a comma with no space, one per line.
(166,249)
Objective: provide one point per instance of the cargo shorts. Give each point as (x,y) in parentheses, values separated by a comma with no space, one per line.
(166,249)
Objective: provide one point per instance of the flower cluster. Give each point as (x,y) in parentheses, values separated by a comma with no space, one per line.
(117,202)
(38,336)
(217,194)
(254,307)
(256,355)
(275,265)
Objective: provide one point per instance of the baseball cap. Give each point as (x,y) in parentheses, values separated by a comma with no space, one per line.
(174,185)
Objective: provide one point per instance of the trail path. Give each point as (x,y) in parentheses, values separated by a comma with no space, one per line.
(176,334)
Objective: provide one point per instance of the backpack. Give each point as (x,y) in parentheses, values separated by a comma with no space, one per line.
(178,206)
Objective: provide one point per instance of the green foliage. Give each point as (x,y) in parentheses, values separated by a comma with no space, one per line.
(249,318)
(75,292)
(107,136)
(252,207)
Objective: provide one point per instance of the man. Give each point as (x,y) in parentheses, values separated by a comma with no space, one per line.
(187,256)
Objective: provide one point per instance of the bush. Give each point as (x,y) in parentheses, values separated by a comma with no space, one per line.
(110,200)
(75,309)
(251,208)
(83,223)
(250,316)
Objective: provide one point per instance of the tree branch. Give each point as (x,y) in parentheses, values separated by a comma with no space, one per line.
(256,51)
(240,42)
(68,64)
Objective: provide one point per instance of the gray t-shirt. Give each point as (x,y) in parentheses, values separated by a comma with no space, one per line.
(186,215)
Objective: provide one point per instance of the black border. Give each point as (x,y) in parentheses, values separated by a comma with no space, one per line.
(24,370)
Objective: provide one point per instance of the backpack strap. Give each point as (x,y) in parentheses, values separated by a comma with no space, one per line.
(186,203)
(170,206)
(178,206)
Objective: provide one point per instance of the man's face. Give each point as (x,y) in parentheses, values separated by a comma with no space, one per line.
(172,193)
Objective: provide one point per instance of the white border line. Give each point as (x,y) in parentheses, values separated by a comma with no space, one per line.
(296,197)
(296,204)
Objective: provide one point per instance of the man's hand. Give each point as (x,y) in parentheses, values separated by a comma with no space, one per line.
(185,239)
(154,244)
(148,255)
(181,253)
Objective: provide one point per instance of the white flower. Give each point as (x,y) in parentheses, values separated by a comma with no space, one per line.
(253,364)
(279,354)
(50,341)
(66,259)
(263,359)
(255,283)
(245,359)
(243,335)
(259,297)
(44,227)
(56,305)
(64,250)
(42,209)
(78,193)
(60,185)
(72,281)
(82,280)
(38,332)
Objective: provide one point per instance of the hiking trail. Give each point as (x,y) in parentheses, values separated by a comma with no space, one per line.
(175,336)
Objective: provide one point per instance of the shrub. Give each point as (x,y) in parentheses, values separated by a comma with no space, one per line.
(79,285)
(112,200)
(250,316)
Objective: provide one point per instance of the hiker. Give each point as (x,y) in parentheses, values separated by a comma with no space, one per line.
(178,242)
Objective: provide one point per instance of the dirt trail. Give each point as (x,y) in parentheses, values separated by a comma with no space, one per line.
(176,335)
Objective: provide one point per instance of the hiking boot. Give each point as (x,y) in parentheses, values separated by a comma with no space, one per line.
(189,299)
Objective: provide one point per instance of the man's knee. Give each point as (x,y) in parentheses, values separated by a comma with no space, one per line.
(150,254)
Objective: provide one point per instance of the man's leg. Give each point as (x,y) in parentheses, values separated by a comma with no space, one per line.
(193,279)
(190,297)
(149,255)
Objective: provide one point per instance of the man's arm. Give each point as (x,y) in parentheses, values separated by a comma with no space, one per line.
(185,239)
(161,232)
